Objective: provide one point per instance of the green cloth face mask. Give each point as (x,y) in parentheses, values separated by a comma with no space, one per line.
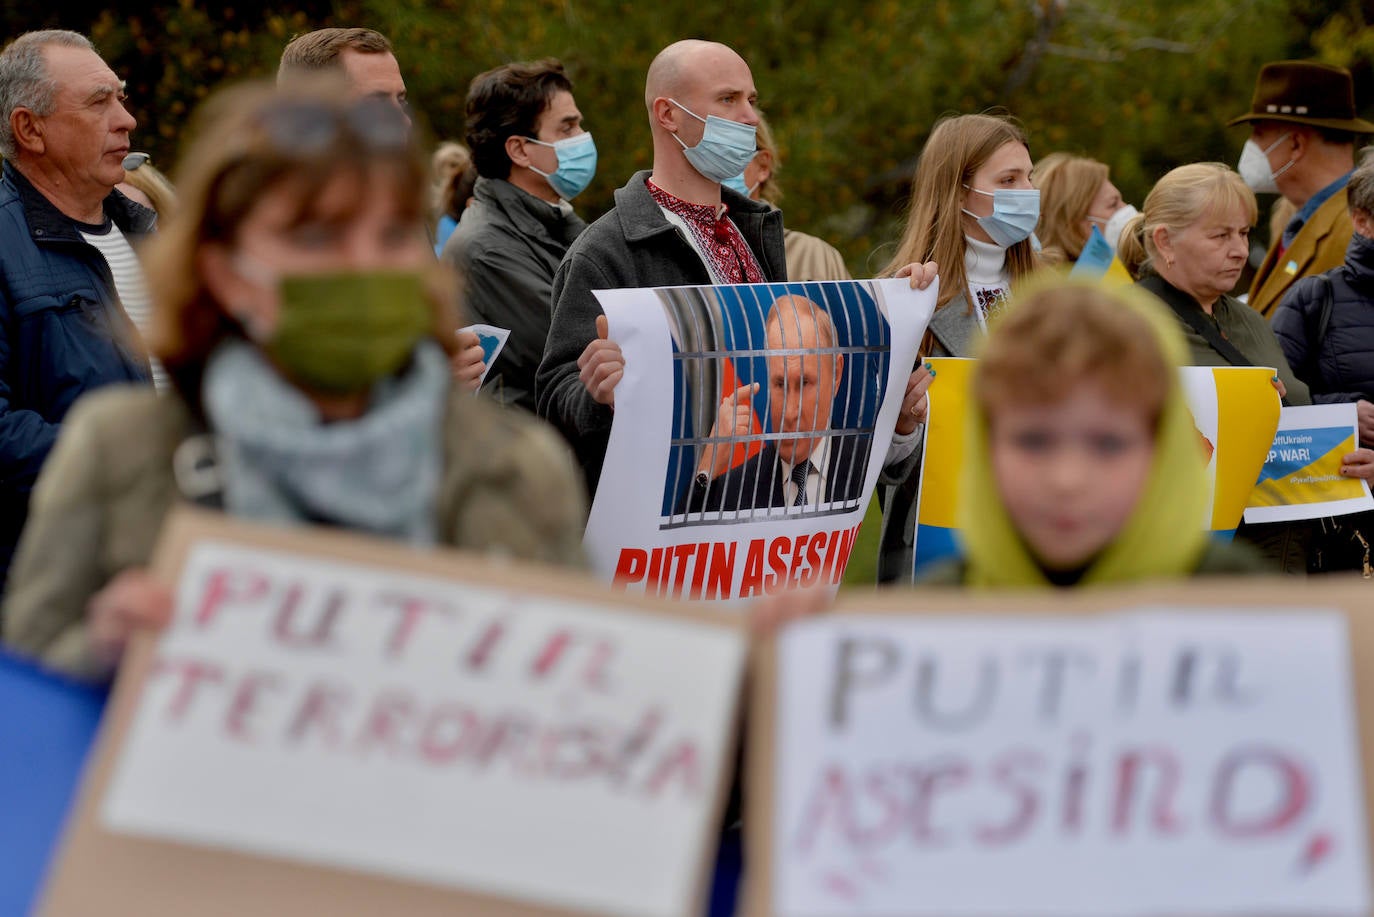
(339,333)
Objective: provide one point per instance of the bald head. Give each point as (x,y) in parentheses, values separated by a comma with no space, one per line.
(801,386)
(793,319)
(680,67)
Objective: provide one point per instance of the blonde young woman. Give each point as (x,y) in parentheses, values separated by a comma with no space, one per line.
(296,313)
(973,211)
(1077,193)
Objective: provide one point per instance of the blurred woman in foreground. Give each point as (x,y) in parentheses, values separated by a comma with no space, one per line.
(296,315)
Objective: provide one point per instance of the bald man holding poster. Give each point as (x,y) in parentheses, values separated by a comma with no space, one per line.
(671,226)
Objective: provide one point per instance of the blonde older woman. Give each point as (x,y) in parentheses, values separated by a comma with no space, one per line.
(1188,247)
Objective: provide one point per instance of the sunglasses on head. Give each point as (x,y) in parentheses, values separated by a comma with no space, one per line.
(309,128)
(133,160)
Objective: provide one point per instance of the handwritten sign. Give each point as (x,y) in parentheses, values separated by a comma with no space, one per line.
(1159,759)
(558,752)
(1301,478)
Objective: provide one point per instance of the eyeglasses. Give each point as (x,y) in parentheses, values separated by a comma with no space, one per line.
(133,160)
(310,128)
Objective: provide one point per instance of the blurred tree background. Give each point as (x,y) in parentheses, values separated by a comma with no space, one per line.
(852,89)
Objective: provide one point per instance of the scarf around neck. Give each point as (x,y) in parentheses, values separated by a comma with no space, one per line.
(280,462)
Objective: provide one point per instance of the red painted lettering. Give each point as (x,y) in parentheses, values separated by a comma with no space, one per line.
(391,713)
(752,581)
(630,567)
(320,712)
(193,674)
(1289,802)
(225,587)
(316,632)
(1008,774)
(243,702)
(722,570)
(776,580)
(1166,783)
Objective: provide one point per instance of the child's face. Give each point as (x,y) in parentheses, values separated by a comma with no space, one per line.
(1070,473)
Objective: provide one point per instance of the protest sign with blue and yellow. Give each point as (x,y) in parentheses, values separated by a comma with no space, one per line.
(1301,478)
(1235,411)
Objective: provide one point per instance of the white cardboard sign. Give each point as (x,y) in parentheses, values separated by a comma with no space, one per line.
(554,752)
(1175,761)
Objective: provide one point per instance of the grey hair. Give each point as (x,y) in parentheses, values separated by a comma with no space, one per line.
(1360,190)
(24,79)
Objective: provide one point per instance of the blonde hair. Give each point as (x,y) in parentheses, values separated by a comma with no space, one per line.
(1178,200)
(234,161)
(1067,186)
(1061,334)
(769,189)
(957,148)
(448,165)
(154,184)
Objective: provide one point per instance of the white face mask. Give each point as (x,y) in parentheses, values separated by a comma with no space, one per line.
(1254,166)
(1113,225)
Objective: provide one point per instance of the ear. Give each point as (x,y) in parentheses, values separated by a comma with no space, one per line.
(760,168)
(28,131)
(515,151)
(1364,222)
(1302,140)
(839,368)
(1163,244)
(664,114)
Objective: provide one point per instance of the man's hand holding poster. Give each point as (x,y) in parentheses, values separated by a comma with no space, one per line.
(750,429)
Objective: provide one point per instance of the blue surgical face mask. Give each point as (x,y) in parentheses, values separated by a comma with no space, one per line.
(1014,214)
(737,183)
(725,148)
(576,165)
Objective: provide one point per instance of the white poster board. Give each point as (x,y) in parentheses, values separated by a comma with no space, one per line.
(655,528)
(1301,478)
(1159,760)
(555,750)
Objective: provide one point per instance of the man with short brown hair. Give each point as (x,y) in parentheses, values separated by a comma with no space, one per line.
(365,58)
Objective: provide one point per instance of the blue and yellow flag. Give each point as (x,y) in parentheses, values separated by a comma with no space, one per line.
(1098,262)
(1235,411)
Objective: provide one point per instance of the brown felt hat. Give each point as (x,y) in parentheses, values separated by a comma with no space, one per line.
(1306,92)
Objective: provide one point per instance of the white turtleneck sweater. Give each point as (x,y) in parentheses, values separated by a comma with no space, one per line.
(989,284)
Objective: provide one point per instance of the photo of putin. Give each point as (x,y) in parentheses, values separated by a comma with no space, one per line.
(804,462)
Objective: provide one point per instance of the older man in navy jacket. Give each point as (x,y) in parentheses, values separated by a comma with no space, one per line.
(62,226)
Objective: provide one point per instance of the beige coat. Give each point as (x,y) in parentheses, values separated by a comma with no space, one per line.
(509,488)
(1319,246)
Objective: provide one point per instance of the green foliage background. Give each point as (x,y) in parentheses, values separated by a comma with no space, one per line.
(852,89)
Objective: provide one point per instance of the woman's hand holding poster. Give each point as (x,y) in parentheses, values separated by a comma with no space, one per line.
(750,428)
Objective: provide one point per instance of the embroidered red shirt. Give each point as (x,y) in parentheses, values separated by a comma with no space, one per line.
(716,235)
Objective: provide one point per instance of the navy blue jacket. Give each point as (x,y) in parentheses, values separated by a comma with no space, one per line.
(65,333)
(1340,367)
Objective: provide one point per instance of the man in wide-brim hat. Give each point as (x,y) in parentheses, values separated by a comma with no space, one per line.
(1302,145)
